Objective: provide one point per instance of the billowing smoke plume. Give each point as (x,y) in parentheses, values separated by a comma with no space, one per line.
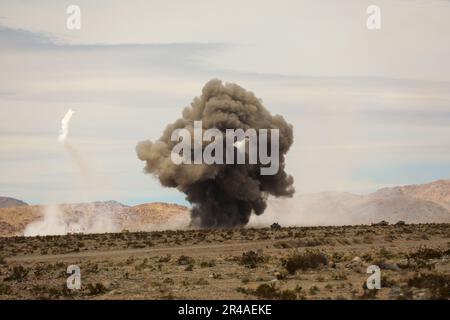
(222,195)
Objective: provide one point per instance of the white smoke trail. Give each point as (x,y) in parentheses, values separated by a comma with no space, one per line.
(72,150)
(65,123)
(60,220)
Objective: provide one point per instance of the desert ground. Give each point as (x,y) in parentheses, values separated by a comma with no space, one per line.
(267,263)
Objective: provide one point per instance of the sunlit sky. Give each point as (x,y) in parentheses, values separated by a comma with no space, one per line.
(370,108)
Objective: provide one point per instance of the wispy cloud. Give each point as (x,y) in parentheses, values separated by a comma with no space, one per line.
(350,129)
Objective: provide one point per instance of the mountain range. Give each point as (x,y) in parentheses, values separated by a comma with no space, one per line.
(93,217)
(6,202)
(422,203)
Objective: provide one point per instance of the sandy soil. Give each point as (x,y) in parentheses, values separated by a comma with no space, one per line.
(286,263)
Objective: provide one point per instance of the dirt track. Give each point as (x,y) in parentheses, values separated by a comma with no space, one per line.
(194,250)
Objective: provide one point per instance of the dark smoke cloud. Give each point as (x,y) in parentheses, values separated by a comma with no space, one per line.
(222,195)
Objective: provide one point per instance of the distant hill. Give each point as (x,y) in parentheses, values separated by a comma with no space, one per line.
(437,192)
(156,216)
(93,217)
(6,202)
(411,203)
(423,203)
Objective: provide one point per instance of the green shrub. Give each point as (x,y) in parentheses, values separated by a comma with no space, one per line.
(18,273)
(251,259)
(426,254)
(185,260)
(98,288)
(438,284)
(5,289)
(310,259)
(270,292)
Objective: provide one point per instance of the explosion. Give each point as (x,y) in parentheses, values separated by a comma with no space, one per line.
(222,194)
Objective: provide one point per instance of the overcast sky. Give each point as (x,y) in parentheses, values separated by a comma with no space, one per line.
(370,108)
